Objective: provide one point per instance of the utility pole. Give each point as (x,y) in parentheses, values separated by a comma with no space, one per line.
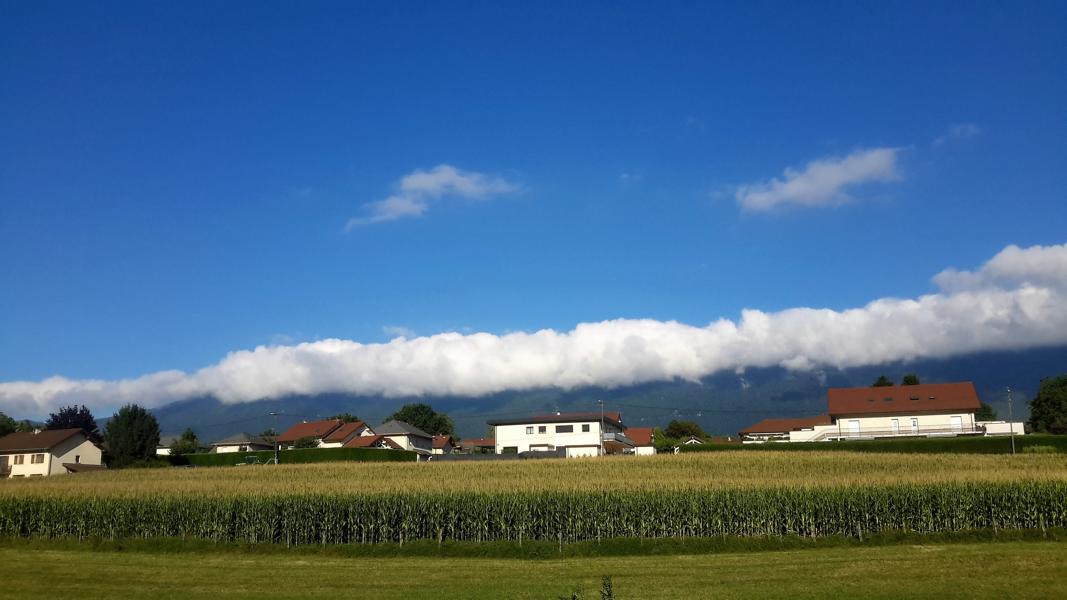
(601,403)
(275,415)
(1011,422)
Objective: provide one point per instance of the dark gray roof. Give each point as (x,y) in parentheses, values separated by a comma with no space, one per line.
(168,440)
(242,438)
(400,428)
(42,440)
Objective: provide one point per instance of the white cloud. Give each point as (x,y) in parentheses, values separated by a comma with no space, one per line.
(820,182)
(417,189)
(960,131)
(1016,300)
(1037,266)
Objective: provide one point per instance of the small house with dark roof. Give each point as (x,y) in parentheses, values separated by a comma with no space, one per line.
(48,452)
(241,442)
(165,442)
(407,436)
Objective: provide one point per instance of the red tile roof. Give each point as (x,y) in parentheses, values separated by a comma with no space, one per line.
(344,432)
(315,429)
(45,440)
(366,441)
(904,399)
(478,442)
(642,436)
(786,425)
(439,441)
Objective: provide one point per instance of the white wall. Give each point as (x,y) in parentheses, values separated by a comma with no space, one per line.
(75,449)
(412,442)
(645,450)
(883,427)
(1003,427)
(516,436)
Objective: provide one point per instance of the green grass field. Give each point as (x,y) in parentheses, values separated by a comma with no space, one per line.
(1034,569)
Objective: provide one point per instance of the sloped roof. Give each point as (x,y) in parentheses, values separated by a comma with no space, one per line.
(168,440)
(440,441)
(344,431)
(614,418)
(478,442)
(395,427)
(243,437)
(367,441)
(641,436)
(29,441)
(315,429)
(786,425)
(904,399)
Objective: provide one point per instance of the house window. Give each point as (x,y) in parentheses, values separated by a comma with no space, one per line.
(585,428)
(542,429)
(37,459)
(19,458)
(77,458)
(564,428)
(529,430)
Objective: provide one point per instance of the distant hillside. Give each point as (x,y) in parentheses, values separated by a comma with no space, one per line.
(721,403)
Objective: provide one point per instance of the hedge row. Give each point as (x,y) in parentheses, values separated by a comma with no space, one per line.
(302,455)
(958,445)
(557,516)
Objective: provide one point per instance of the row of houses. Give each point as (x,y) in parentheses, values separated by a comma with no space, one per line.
(922,410)
(333,433)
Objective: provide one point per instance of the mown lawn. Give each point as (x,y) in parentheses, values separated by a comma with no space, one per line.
(955,570)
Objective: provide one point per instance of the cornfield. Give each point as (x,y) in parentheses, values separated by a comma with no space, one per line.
(737,494)
(558,516)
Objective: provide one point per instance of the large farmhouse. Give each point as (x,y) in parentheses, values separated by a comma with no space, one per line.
(927,410)
(571,434)
(48,452)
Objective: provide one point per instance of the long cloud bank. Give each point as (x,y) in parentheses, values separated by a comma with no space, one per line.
(1016,300)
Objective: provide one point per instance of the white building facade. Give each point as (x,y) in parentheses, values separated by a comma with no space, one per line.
(46,453)
(571,434)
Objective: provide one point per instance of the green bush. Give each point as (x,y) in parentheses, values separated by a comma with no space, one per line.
(1040,450)
(308,455)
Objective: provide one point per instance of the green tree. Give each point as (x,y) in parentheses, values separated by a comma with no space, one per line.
(985,413)
(346,417)
(684,429)
(308,441)
(188,443)
(425,418)
(70,417)
(132,436)
(910,379)
(662,441)
(1048,409)
(7,425)
(269,434)
(882,381)
(25,426)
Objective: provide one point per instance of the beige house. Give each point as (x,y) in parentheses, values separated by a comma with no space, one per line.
(48,452)
(406,436)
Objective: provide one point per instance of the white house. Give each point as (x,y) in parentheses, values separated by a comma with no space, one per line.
(644,439)
(343,434)
(406,436)
(163,448)
(48,452)
(443,444)
(241,442)
(576,434)
(926,410)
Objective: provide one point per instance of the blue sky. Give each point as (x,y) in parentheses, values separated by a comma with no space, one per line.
(176,179)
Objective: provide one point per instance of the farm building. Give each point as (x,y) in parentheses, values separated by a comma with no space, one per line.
(48,452)
(576,434)
(925,410)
